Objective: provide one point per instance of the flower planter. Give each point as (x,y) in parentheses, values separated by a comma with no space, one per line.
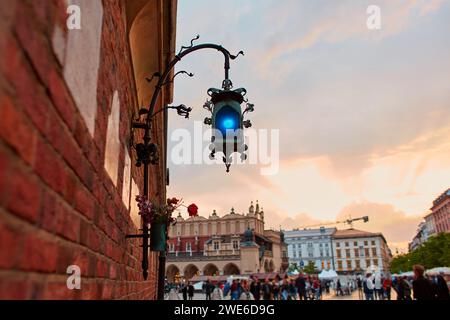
(158,238)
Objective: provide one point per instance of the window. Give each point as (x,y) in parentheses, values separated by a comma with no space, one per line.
(346,244)
(338,245)
(366,243)
(367,252)
(358,264)
(374,252)
(172,247)
(188,246)
(356,252)
(373,242)
(216,245)
(235,244)
(349,264)
(339,265)
(338,253)
(361,251)
(368,263)
(355,243)
(347,253)
(375,262)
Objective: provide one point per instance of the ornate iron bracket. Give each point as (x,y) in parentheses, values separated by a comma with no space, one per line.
(147,152)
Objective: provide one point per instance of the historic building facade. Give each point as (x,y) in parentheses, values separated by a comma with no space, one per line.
(310,245)
(232,244)
(355,251)
(440,212)
(67,174)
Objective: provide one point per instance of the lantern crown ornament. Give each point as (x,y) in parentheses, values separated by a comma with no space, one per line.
(227,121)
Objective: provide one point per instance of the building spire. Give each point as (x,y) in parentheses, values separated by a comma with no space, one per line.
(257,207)
(232,211)
(251,209)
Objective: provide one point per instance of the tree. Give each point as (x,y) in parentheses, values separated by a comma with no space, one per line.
(310,268)
(433,253)
(293,267)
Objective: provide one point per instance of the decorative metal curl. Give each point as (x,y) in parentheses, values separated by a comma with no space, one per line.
(232,57)
(189,74)
(155,75)
(192,44)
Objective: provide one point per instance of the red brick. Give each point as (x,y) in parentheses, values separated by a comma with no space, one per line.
(89,290)
(24,195)
(35,44)
(81,259)
(61,98)
(57,291)
(50,167)
(84,202)
(89,236)
(16,130)
(39,254)
(10,240)
(4,172)
(14,289)
(102,269)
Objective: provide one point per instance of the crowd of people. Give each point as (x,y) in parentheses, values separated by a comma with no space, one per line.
(300,288)
(308,287)
(418,287)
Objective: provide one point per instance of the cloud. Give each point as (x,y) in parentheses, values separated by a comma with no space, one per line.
(336,22)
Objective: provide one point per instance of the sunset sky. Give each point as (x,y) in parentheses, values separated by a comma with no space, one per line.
(363,114)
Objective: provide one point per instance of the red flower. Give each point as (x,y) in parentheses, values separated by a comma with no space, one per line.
(192,210)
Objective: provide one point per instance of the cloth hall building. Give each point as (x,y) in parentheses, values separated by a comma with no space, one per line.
(224,245)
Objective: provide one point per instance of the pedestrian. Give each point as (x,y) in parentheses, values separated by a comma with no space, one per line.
(422,288)
(316,286)
(234,290)
(442,291)
(368,286)
(339,288)
(292,290)
(217,293)
(226,289)
(208,290)
(301,286)
(359,284)
(378,290)
(387,285)
(403,289)
(284,289)
(246,294)
(275,290)
(255,288)
(184,292)
(267,290)
(190,291)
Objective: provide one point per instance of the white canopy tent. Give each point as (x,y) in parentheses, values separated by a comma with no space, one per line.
(438,270)
(328,274)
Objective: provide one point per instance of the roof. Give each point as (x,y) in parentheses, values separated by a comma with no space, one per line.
(309,232)
(441,198)
(354,233)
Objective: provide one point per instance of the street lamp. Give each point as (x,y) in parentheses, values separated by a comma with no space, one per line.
(227,118)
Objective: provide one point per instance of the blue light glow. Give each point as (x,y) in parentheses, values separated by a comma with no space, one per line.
(228,123)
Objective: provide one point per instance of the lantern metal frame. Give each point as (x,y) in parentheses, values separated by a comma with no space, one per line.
(147,151)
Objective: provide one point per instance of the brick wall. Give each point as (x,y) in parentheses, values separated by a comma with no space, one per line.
(58,205)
